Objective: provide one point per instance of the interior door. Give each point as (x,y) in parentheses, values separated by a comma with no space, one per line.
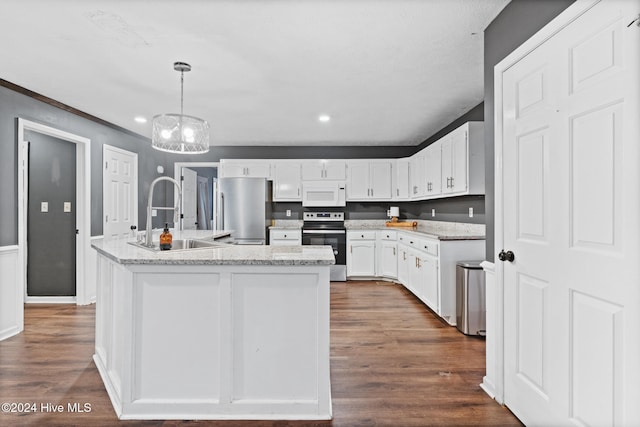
(571,236)
(120,192)
(189,199)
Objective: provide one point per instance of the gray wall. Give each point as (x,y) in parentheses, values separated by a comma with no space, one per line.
(14,105)
(517,22)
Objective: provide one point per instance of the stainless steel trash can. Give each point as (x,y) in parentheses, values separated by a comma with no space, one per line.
(470,298)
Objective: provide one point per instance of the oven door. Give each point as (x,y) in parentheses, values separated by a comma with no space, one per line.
(337,239)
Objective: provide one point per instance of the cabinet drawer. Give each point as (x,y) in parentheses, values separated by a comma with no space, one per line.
(361,235)
(429,246)
(388,235)
(285,234)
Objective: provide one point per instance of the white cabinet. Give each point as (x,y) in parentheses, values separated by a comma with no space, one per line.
(433,169)
(316,170)
(254,168)
(401,180)
(387,265)
(287,182)
(417,169)
(283,237)
(369,179)
(361,253)
(463,160)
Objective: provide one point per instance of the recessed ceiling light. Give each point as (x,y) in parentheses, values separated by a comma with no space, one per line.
(324,118)
(140,119)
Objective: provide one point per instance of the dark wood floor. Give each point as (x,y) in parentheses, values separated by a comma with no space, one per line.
(393,363)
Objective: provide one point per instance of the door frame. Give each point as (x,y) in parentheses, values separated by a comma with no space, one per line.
(177,173)
(565,18)
(83,210)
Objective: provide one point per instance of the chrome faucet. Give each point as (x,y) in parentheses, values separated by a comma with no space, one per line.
(149,232)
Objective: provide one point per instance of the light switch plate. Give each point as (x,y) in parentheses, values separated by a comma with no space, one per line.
(67,206)
(44,206)
(433,212)
(470,212)
(288,213)
(154,212)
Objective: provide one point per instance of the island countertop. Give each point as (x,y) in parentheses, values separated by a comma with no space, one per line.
(122,252)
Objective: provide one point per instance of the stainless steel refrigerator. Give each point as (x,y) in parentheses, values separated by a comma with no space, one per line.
(245,208)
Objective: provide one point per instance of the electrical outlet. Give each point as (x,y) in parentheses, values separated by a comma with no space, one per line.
(154,212)
(288,213)
(433,212)
(66,207)
(470,212)
(44,206)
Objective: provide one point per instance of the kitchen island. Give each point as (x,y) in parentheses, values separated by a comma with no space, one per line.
(228,332)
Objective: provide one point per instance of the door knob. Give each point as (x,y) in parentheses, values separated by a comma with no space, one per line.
(133,227)
(506,256)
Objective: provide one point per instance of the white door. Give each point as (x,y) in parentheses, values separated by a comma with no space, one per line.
(570,217)
(189,207)
(120,192)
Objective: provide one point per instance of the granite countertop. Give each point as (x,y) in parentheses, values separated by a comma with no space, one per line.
(286,224)
(122,252)
(433,229)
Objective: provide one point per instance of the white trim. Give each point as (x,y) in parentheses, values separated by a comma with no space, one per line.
(494,358)
(561,21)
(177,173)
(51,300)
(11,307)
(83,203)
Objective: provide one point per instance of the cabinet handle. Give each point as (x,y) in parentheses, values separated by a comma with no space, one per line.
(394,251)
(404,256)
(452,182)
(298,191)
(350,248)
(398,192)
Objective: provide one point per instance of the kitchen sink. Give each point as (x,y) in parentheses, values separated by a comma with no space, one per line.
(182,245)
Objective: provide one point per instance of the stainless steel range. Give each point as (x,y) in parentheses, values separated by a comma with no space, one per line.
(327,228)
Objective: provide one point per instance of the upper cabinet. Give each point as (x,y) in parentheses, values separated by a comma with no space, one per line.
(318,170)
(433,169)
(451,166)
(287,181)
(254,168)
(369,179)
(417,168)
(401,180)
(463,160)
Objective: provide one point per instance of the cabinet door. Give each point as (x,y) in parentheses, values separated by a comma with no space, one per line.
(232,170)
(380,180)
(388,260)
(287,182)
(454,162)
(312,171)
(361,258)
(401,179)
(403,265)
(433,166)
(459,159)
(358,181)
(417,175)
(335,169)
(428,271)
(414,283)
(258,170)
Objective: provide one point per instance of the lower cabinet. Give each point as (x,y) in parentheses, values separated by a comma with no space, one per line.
(425,266)
(361,253)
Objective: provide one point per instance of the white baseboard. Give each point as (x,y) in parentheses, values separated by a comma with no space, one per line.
(50,300)
(11,302)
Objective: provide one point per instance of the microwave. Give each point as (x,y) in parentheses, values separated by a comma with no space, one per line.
(323,193)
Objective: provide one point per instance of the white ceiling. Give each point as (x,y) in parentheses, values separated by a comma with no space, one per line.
(388,72)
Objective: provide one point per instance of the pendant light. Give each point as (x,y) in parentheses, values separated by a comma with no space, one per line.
(178,133)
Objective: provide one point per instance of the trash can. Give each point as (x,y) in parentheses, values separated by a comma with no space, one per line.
(470,298)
